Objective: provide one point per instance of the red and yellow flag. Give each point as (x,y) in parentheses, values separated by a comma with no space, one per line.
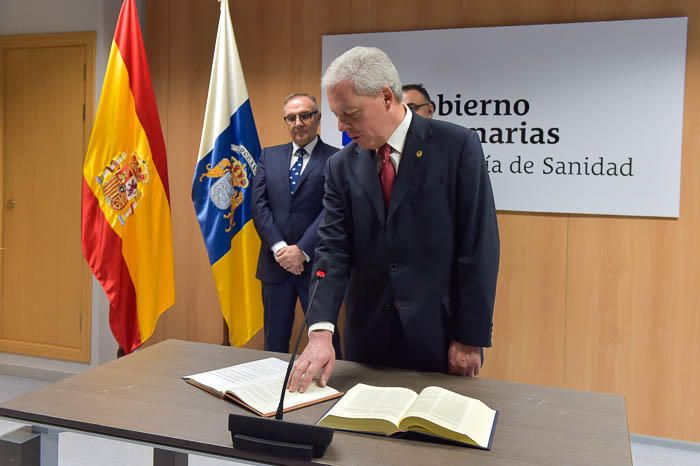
(126,229)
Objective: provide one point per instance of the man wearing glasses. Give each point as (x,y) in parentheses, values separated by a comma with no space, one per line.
(287,209)
(416,97)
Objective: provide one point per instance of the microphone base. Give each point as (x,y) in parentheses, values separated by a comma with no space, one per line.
(278,438)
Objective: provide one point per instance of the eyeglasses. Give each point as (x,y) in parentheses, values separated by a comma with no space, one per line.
(304,117)
(415,107)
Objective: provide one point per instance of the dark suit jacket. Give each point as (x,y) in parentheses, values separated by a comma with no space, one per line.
(433,258)
(280,216)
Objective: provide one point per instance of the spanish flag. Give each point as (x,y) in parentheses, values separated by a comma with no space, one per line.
(126,229)
(221,189)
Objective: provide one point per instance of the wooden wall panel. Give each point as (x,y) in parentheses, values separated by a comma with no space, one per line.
(280,46)
(184,34)
(189,70)
(156,32)
(596,303)
(528,333)
(398,15)
(632,291)
(602,10)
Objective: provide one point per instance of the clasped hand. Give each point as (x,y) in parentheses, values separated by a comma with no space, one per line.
(291,258)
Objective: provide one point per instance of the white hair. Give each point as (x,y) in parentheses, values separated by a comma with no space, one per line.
(369,69)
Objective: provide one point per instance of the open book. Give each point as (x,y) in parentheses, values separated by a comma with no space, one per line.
(257,385)
(435,411)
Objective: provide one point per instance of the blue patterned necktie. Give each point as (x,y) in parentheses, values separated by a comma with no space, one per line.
(295,171)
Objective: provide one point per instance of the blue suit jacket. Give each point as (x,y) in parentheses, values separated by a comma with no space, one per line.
(432,256)
(280,216)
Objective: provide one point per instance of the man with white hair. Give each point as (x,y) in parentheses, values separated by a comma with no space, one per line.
(410,232)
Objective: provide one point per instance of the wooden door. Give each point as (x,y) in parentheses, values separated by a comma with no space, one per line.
(46,101)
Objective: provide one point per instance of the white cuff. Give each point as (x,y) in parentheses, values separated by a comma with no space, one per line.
(277,246)
(306,256)
(322,326)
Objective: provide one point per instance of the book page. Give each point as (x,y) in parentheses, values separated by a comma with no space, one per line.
(233,377)
(455,412)
(368,402)
(265,396)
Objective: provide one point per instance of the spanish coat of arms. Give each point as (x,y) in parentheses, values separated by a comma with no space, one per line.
(121,181)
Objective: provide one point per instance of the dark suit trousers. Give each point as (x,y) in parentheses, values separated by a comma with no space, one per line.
(380,340)
(279,303)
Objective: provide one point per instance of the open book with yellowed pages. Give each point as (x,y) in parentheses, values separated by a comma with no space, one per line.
(257,385)
(435,411)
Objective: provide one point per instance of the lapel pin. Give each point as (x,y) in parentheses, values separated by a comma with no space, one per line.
(419,154)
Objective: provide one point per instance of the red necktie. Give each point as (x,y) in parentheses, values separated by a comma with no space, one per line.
(387,172)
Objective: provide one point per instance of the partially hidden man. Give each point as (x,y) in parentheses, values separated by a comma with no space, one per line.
(287,210)
(410,231)
(417,99)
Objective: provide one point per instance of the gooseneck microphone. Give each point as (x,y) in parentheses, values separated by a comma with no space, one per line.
(277,437)
(320,274)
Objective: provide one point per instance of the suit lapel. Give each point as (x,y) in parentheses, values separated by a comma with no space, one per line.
(313,163)
(415,139)
(365,169)
(280,165)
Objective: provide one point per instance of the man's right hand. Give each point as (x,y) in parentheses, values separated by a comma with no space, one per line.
(319,355)
(291,259)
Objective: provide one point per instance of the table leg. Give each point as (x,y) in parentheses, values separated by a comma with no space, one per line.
(169,458)
(20,447)
(48,445)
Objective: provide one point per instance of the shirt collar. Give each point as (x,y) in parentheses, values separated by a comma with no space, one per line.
(309,148)
(398,138)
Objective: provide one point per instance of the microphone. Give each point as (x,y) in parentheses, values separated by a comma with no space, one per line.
(277,437)
(320,274)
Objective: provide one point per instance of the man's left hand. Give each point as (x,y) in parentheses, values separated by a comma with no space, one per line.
(292,259)
(463,360)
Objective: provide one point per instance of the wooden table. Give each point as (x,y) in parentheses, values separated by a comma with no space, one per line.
(141,398)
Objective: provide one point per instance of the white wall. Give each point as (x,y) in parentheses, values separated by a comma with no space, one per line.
(47,16)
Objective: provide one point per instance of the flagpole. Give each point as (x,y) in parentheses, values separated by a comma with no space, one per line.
(226,340)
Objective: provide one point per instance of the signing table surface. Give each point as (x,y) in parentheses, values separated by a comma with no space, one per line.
(142,398)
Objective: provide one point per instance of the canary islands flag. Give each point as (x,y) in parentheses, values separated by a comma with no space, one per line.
(126,229)
(221,188)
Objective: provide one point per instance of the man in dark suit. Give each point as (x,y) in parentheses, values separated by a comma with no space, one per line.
(287,209)
(410,231)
